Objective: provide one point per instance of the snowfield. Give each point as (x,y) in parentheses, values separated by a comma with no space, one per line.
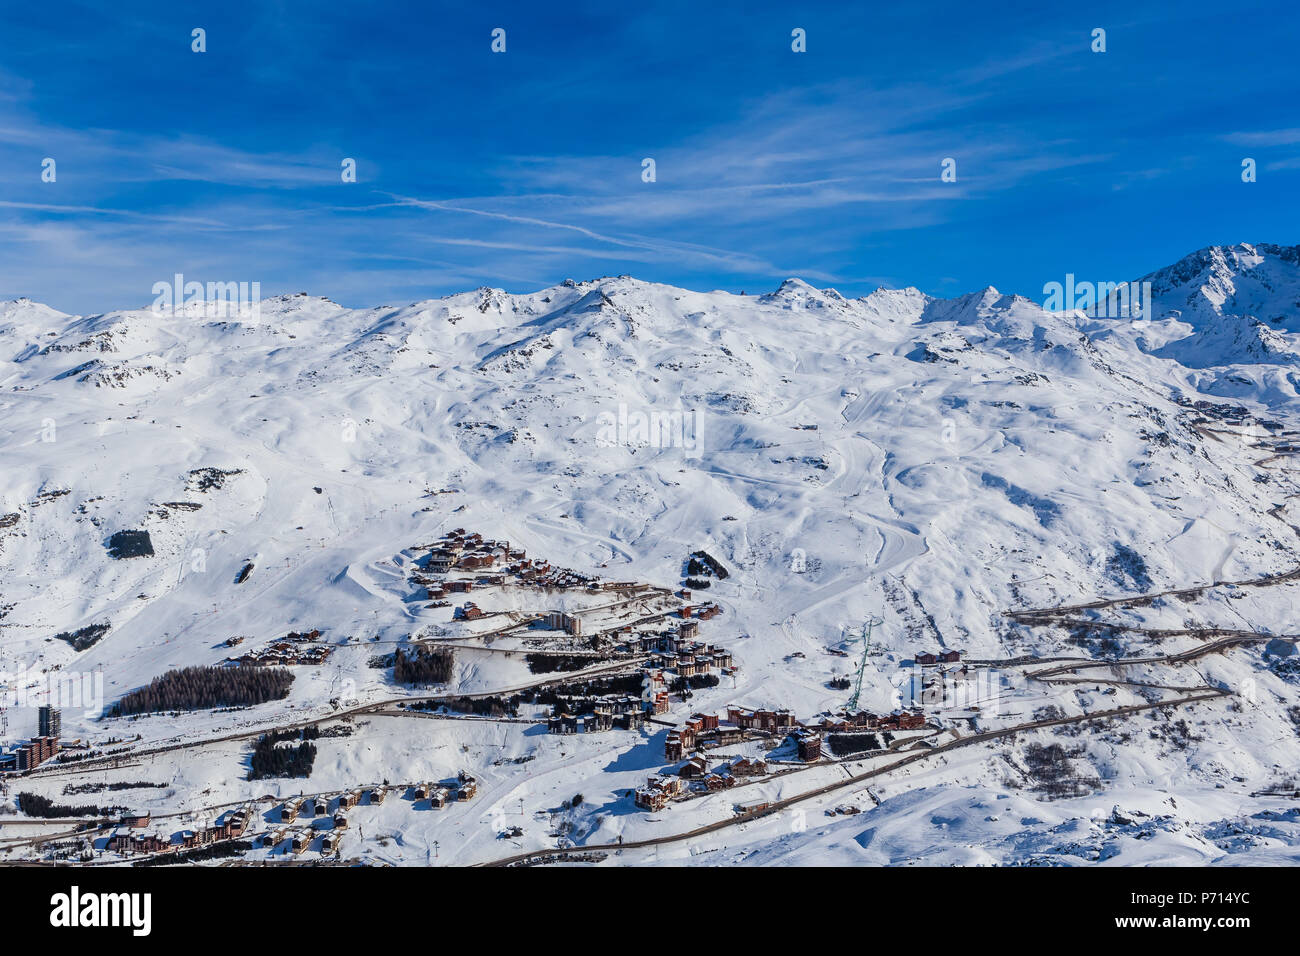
(931,463)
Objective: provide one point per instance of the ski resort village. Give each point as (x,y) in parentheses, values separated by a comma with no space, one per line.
(623,660)
(925,581)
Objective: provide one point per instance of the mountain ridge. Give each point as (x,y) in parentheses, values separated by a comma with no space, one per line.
(934,463)
(1214,264)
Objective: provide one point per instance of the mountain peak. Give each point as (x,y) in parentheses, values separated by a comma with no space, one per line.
(796,293)
(1255,280)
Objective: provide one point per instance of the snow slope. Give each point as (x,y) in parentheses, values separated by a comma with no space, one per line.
(930,461)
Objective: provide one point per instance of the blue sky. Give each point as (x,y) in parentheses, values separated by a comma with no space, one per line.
(521,169)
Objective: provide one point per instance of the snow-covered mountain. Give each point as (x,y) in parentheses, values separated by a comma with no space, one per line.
(1230,305)
(932,462)
(1262,281)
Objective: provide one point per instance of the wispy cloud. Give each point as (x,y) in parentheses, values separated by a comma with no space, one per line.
(522,169)
(1273,137)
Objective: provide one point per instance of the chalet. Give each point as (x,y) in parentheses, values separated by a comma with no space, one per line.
(926,659)
(234,824)
(152,843)
(706,721)
(747,767)
(289,812)
(124,841)
(136,821)
(340,821)
(189,839)
(808,745)
(726,734)
(742,717)
(320,806)
(950,657)
(833,725)
(460,587)
(695,766)
(377,796)
(903,721)
(863,719)
(441,560)
(678,743)
(438,797)
(650,798)
(761,720)
(468,786)
(657,792)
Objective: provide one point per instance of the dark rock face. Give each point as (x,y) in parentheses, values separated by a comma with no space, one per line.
(130,544)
